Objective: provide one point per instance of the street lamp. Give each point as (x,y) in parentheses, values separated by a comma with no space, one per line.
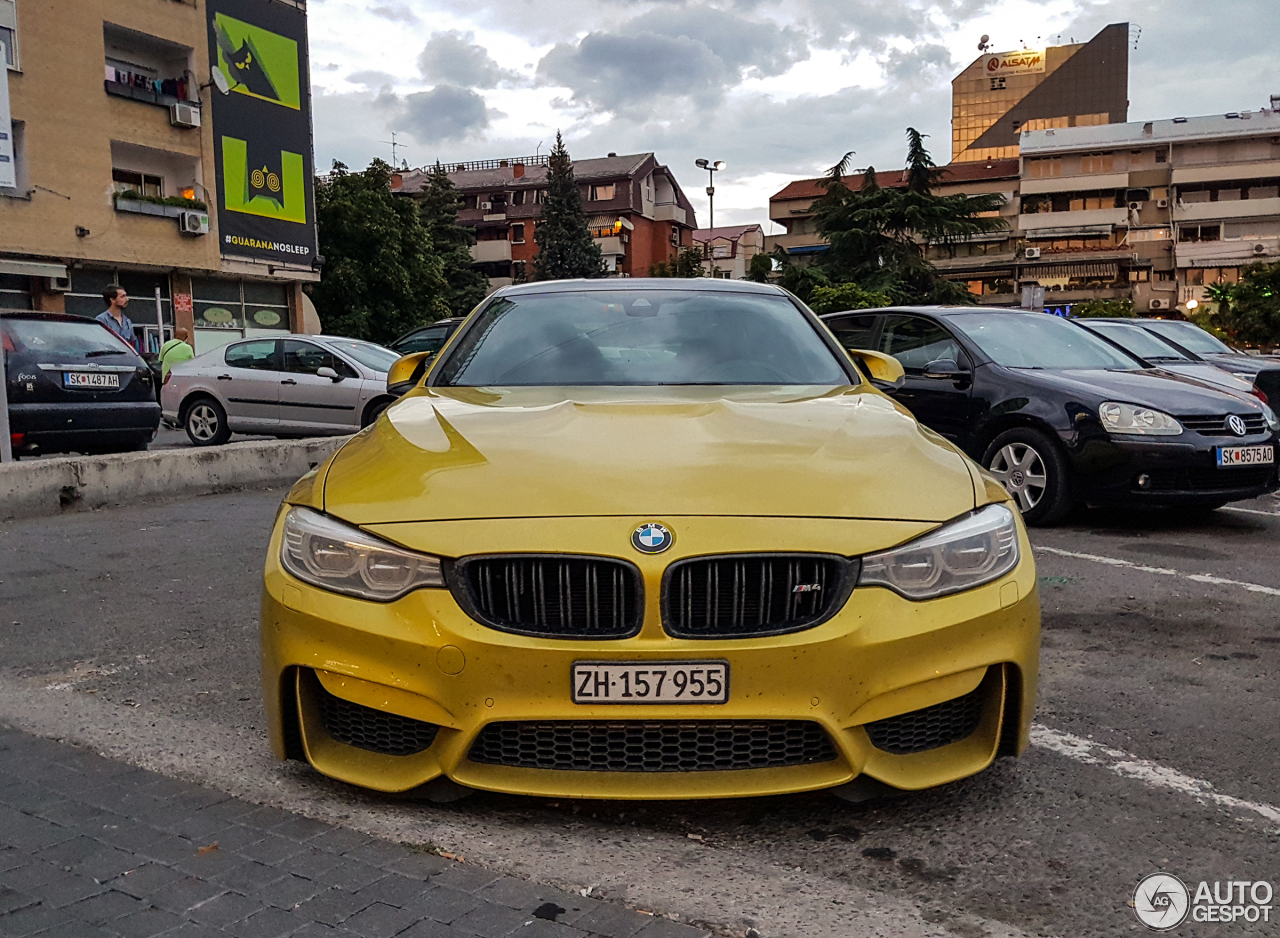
(712,168)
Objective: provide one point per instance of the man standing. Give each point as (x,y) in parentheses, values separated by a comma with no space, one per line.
(175,350)
(114,318)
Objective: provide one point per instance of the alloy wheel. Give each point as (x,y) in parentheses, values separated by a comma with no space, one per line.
(1021,471)
(203,422)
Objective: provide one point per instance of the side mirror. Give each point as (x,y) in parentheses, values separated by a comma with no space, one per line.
(324,371)
(885,371)
(405,373)
(944,368)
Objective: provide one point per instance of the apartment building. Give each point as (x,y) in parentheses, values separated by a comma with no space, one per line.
(637,212)
(727,252)
(1151,211)
(164,147)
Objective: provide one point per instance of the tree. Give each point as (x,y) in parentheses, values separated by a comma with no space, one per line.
(800,279)
(1249,311)
(686,264)
(760,268)
(1092,309)
(843,296)
(877,235)
(381,276)
(565,247)
(438,206)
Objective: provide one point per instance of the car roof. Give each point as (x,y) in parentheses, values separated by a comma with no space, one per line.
(936,310)
(52,317)
(685,284)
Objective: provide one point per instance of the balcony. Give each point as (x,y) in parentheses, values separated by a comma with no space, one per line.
(1088,182)
(669,211)
(490,252)
(610,246)
(1085,218)
(145,68)
(1197,211)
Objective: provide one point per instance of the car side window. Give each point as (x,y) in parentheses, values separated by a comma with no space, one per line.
(854,332)
(429,340)
(303,358)
(259,354)
(916,342)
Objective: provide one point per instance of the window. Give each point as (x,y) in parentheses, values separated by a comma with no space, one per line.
(518,274)
(1044,168)
(855,332)
(21,188)
(235,304)
(259,355)
(9,33)
(517,197)
(304,358)
(602,193)
(14,292)
(675,236)
(428,340)
(517,234)
(1192,233)
(916,342)
(126,180)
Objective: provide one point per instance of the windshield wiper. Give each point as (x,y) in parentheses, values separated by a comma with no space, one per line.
(105,351)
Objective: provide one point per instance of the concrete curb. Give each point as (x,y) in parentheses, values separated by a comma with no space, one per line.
(34,488)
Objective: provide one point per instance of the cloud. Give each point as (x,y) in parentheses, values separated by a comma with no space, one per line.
(693,51)
(446,112)
(927,63)
(456,58)
(396,12)
(372,79)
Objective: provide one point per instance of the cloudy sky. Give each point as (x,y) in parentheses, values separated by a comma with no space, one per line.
(778,90)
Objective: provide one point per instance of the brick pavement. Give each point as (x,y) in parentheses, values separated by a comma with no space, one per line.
(91,848)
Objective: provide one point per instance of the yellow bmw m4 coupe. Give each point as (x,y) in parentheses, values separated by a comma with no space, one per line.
(648,539)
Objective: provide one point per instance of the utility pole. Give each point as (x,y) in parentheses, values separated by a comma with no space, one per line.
(712,168)
(6,445)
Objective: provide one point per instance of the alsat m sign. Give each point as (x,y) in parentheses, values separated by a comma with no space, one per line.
(8,169)
(1026,62)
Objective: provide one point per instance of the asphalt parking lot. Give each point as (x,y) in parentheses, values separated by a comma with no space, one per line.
(133,632)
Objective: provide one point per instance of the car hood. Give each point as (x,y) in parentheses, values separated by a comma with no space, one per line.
(463,453)
(1161,390)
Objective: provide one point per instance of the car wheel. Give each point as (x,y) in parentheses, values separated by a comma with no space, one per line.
(1033,470)
(206,423)
(374,411)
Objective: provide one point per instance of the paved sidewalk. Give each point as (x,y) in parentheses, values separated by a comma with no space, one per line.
(91,848)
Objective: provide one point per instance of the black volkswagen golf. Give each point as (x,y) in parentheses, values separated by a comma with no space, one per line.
(74,387)
(1060,416)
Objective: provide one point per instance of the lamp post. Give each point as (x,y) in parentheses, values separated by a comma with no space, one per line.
(712,167)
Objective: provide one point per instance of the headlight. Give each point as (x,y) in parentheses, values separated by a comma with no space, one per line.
(335,556)
(976,549)
(1129,418)
(1273,423)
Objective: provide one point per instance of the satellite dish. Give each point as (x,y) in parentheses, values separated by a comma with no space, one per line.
(985,39)
(984,43)
(220,81)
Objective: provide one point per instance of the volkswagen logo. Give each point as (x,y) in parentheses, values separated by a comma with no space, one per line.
(652,538)
(1236,425)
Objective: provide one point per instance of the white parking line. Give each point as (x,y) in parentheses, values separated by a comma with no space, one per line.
(1251,511)
(1149,773)
(1162,571)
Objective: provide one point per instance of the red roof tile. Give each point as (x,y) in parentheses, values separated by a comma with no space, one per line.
(951,173)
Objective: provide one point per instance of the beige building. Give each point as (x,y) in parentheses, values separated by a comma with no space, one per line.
(728,251)
(113,174)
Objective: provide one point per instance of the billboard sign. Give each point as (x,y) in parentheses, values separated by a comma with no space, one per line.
(1026,62)
(8,168)
(262,130)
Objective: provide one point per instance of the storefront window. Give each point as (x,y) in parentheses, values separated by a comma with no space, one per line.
(235,304)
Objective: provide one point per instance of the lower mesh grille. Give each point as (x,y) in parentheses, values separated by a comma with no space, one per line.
(1209,479)
(930,728)
(366,728)
(654,746)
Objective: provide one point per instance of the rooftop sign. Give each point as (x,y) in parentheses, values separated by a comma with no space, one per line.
(1026,62)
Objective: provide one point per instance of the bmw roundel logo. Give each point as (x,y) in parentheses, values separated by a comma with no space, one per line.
(1236,425)
(652,538)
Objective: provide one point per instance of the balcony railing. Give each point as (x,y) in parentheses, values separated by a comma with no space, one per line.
(140,87)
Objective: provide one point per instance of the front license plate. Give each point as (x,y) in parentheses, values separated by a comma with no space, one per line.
(637,682)
(89,379)
(1245,456)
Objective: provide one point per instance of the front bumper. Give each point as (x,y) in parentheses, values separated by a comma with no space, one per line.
(421,657)
(1180,471)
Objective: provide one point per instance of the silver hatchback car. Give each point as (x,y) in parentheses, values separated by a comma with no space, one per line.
(310,385)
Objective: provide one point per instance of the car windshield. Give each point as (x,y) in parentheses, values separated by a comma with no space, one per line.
(1137,341)
(1037,340)
(367,354)
(1189,336)
(641,337)
(61,337)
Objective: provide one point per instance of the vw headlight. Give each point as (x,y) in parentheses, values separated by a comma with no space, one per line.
(335,556)
(1130,418)
(1273,423)
(968,552)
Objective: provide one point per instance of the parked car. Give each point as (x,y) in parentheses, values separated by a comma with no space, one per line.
(1189,338)
(1061,416)
(430,338)
(74,387)
(1159,353)
(295,386)
(674,540)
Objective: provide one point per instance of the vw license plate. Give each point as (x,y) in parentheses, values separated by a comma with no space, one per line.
(664,682)
(90,379)
(1245,456)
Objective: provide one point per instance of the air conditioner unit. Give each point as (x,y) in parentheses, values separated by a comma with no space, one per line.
(487,206)
(1157,304)
(1135,206)
(1032,254)
(194,223)
(1259,248)
(184,115)
(1162,203)
(57,284)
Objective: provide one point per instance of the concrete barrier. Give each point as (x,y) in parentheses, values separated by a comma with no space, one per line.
(36,487)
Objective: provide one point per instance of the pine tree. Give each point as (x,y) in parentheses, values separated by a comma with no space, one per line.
(381,275)
(565,247)
(438,207)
